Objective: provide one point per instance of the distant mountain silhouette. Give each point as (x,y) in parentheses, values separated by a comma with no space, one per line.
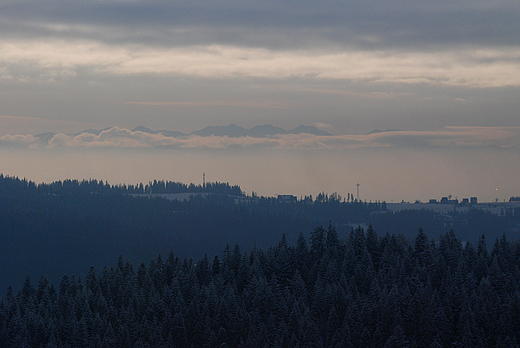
(262,131)
(375,131)
(234,131)
(308,130)
(166,133)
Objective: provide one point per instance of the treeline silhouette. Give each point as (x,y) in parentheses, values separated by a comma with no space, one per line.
(97,187)
(361,291)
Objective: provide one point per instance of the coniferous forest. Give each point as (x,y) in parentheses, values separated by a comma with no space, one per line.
(365,291)
(106,268)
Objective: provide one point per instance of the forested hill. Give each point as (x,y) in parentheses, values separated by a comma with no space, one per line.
(362,291)
(67,226)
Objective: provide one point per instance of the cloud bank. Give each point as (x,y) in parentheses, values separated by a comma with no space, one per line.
(268,23)
(115,137)
(52,60)
(475,44)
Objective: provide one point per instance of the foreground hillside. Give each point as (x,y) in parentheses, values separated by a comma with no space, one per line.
(364,291)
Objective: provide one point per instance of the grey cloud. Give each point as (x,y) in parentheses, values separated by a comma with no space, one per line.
(272,24)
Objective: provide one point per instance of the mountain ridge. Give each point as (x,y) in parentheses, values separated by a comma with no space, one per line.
(234,131)
(231,131)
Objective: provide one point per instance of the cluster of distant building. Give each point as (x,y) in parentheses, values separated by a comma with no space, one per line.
(287,199)
(448,200)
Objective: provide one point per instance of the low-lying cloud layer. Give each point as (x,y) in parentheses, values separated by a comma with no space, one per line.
(474,137)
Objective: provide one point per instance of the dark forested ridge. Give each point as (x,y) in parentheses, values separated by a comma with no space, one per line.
(67,226)
(361,291)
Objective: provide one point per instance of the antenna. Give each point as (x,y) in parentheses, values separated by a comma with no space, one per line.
(357,198)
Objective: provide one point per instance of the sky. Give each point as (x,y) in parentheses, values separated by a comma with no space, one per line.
(443,76)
